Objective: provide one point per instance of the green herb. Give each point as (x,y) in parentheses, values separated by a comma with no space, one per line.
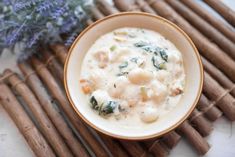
(144,94)
(163,55)
(155,62)
(151,48)
(123,65)
(140,62)
(100,108)
(123,73)
(141,44)
(145,46)
(135,60)
(143,89)
(159,66)
(162,66)
(112,48)
(94,103)
(109,108)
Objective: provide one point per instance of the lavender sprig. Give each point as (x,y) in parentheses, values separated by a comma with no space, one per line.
(34,22)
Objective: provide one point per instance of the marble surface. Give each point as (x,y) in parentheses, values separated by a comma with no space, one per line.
(13,144)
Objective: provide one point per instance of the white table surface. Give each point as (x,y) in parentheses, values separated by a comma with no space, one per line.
(13,144)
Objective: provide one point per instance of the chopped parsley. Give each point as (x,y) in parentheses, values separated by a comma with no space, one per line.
(123,65)
(113,48)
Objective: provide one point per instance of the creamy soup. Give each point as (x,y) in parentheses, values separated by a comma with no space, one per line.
(132,74)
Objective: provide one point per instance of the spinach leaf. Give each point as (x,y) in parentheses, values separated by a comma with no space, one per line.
(123,65)
(163,55)
(152,48)
(155,62)
(141,44)
(109,108)
(94,103)
(159,66)
(123,73)
(145,46)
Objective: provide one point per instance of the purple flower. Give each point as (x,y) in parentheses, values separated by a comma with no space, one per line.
(68,24)
(22,5)
(59,11)
(44,6)
(34,22)
(71,38)
(32,41)
(7,2)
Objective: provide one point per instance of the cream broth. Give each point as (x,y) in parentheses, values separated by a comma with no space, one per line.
(132,75)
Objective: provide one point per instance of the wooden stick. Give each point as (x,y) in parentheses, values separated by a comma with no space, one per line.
(113,146)
(201,124)
(223,10)
(129,5)
(199,143)
(171,139)
(52,111)
(214,21)
(133,148)
(156,147)
(204,27)
(53,65)
(218,75)
(34,138)
(96,13)
(44,122)
(144,6)
(106,8)
(220,96)
(209,50)
(59,50)
(59,95)
(211,112)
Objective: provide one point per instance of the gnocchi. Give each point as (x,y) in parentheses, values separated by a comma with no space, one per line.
(149,114)
(140,76)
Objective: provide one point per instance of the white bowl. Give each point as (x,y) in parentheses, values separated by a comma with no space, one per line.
(191,61)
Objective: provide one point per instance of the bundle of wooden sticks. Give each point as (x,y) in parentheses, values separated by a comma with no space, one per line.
(53,128)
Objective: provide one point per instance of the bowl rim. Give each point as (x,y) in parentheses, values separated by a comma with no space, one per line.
(172,127)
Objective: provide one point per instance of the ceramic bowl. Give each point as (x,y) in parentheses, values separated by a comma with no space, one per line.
(191,61)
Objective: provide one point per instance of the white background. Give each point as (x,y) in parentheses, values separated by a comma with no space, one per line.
(13,144)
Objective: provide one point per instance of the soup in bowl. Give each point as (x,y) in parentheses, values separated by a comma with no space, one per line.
(133,76)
